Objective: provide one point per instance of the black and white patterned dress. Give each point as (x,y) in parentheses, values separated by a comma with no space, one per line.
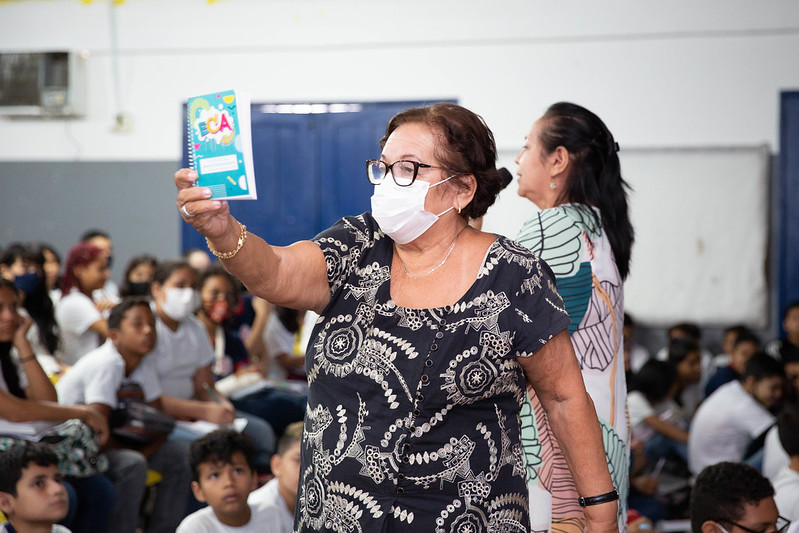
(413,414)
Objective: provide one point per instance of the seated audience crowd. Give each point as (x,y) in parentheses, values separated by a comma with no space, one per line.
(186,391)
(131,371)
(691,412)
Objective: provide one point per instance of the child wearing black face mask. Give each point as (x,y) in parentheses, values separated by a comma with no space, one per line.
(138,276)
(23,263)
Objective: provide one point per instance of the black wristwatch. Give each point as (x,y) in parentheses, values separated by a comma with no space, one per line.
(611,496)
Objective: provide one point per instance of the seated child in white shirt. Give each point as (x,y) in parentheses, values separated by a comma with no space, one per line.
(278,498)
(32,493)
(223,463)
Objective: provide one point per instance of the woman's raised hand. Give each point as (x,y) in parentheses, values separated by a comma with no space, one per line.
(210,217)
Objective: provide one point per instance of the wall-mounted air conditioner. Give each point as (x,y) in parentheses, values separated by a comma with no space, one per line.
(42,84)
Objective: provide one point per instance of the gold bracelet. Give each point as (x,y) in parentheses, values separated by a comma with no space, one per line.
(231,254)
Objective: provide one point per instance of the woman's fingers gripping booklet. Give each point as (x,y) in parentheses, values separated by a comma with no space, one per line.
(220,144)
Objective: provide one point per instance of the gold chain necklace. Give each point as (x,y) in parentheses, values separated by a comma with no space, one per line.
(449,252)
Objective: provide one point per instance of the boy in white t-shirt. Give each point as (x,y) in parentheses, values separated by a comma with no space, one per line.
(32,493)
(278,498)
(223,463)
(728,424)
(95,381)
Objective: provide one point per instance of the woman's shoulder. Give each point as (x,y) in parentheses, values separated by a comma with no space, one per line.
(360,228)
(351,241)
(508,253)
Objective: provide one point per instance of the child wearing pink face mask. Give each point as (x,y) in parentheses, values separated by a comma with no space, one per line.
(184,358)
(220,302)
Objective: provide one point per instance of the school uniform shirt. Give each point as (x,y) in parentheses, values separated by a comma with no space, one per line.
(271,504)
(57,528)
(74,313)
(724,426)
(774,455)
(179,354)
(205,521)
(786,493)
(96,378)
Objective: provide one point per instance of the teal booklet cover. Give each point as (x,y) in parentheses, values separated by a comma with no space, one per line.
(220,144)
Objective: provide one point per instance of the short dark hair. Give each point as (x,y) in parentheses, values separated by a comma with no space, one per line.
(788,428)
(761,366)
(689,328)
(220,445)
(746,336)
(790,307)
(291,435)
(737,329)
(721,491)
(92,233)
(17,458)
(166,268)
(119,310)
(655,379)
(679,350)
(465,146)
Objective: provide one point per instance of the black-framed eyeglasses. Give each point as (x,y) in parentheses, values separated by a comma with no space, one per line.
(403,171)
(780,527)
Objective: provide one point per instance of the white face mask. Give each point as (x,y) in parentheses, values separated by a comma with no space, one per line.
(400,210)
(180,303)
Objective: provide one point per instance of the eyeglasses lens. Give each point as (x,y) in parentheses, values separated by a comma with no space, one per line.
(404,172)
(376,170)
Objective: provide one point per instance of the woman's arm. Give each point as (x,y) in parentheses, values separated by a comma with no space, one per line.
(16,409)
(555,375)
(294,276)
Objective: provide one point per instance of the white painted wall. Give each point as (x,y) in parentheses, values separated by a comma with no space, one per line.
(669,74)
(677,73)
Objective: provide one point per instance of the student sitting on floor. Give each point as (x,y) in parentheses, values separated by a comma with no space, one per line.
(32,492)
(223,463)
(95,380)
(729,424)
(278,498)
(744,347)
(731,498)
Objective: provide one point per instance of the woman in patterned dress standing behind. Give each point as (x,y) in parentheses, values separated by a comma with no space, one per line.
(569,168)
(429,332)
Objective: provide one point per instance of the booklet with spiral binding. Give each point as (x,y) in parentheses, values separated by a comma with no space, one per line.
(220,144)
